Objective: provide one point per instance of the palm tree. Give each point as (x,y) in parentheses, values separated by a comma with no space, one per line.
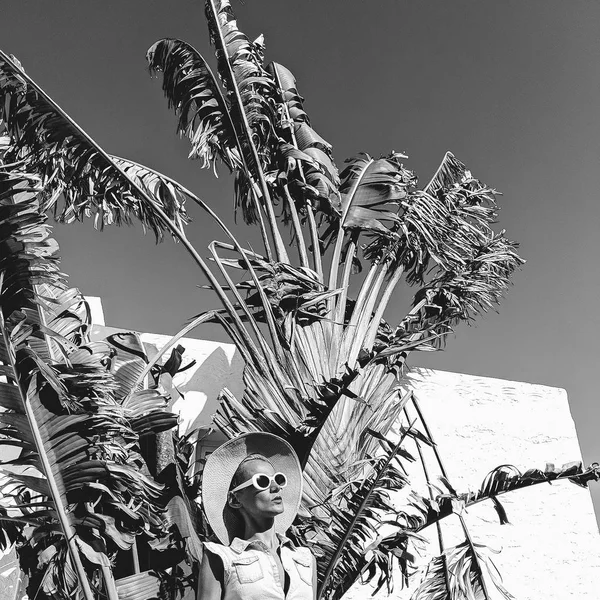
(306,312)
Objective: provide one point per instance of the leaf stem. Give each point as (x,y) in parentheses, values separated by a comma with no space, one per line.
(347,203)
(316,243)
(358,512)
(461,518)
(63,518)
(297,227)
(280,253)
(341,303)
(383,302)
(438,524)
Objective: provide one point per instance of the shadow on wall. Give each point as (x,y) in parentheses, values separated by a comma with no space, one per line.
(195,393)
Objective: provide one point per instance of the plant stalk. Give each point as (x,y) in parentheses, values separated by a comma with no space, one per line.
(63,518)
(461,518)
(340,311)
(431,496)
(340,547)
(297,227)
(383,302)
(339,242)
(316,243)
(280,253)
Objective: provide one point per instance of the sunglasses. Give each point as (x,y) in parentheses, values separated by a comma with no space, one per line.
(263,482)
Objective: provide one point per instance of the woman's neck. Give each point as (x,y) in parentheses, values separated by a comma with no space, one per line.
(262,532)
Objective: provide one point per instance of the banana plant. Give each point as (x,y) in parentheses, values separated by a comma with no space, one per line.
(69,493)
(307,311)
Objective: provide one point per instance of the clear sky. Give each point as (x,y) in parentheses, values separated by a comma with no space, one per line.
(512,87)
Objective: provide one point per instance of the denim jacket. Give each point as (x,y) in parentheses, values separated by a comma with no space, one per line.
(251,573)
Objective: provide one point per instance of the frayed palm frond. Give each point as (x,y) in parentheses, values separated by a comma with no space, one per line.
(195,95)
(463,565)
(352,514)
(77,444)
(70,162)
(250,93)
(449,172)
(240,65)
(289,291)
(504,479)
(319,181)
(28,259)
(462,294)
(435,581)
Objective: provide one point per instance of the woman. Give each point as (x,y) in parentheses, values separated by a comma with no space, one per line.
(251,491)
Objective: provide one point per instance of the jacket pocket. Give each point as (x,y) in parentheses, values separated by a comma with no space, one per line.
(304,568)
(248,569)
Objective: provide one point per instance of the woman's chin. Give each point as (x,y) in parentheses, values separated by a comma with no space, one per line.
(277,507)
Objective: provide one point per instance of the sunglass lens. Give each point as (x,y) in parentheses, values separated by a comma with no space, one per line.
(280,479)
(263,482)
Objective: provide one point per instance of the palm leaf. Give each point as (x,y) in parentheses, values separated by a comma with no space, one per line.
(47,402)
(61,152)
(194,93)
(248,90)
(502,480)
(249,86)
(450,171)
(91,181)
(24,261)
(462,563)
(318,181)
(355,510)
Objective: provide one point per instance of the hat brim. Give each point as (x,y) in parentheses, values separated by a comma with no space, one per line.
(220,468)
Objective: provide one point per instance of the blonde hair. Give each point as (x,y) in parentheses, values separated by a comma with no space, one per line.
(239,472)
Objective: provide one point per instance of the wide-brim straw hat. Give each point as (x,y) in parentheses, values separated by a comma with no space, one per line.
(220,468)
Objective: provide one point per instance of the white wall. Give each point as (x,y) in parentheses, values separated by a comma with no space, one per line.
(551,549)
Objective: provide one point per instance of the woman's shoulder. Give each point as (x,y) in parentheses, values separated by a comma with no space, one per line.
(217,549)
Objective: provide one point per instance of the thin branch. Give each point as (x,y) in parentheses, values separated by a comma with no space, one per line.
(461,518)
(431,496)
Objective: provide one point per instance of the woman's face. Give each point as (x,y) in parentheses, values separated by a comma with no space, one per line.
(260,503)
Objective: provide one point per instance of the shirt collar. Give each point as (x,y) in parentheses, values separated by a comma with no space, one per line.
(238,545)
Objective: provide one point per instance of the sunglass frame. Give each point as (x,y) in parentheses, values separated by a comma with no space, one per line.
(254,482)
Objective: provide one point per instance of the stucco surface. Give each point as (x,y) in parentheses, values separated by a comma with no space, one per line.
(551,548)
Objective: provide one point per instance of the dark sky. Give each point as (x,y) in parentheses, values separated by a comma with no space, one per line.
(512,87)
